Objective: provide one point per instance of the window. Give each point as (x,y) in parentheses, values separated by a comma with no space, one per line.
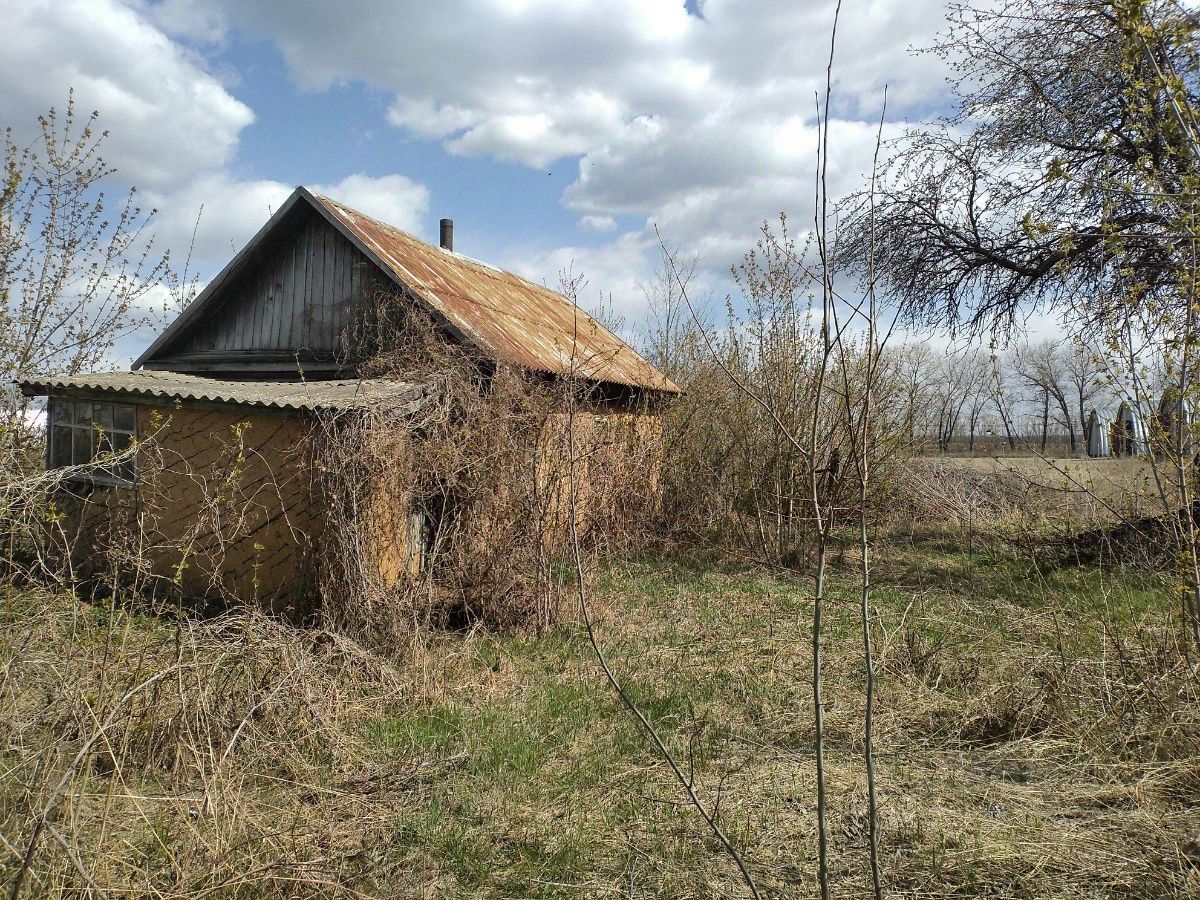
(82,431)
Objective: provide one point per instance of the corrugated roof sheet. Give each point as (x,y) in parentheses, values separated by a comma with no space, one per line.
(311,396)
(512,319)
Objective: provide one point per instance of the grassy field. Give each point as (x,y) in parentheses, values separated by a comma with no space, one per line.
(1074,486)
(1038,735)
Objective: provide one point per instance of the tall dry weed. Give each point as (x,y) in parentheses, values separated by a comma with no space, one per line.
(477,485)
(139,754)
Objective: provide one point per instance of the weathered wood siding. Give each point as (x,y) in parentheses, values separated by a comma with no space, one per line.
(299,298)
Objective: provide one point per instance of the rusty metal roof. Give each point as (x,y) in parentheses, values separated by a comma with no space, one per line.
(286,396)
(511,319)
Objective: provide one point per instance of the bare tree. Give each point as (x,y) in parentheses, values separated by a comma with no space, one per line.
(913,365)
(671,339)
(1003,403)
(1045,185)
(1083,371)
(75,268)
(1041,367)
(954,384)
(978,394)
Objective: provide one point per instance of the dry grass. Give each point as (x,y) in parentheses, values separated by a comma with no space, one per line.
(186,759)
(1038,736)
(1067,486)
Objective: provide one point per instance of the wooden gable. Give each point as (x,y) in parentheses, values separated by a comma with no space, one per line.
(280,308)
(302,299)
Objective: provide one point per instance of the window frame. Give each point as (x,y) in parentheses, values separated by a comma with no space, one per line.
(63,415)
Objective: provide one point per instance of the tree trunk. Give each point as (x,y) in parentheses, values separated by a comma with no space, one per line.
(1083,424)
(1045,419)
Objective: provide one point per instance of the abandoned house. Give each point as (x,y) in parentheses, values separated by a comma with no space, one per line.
(232,393)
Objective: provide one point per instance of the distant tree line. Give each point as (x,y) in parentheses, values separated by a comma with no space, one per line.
(1033,396)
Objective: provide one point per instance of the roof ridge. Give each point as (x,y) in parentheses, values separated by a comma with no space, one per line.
(490,269)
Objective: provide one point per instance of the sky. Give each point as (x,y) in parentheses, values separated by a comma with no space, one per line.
(556,133)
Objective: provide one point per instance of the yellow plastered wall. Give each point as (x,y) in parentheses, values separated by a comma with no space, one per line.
(391,534)
(223,507)
(617,464)
(226,504)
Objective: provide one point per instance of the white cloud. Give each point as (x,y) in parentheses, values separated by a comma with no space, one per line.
(184,17)
(704,126)
(167,116)
(540,79)
(429,119)
(393,199)
(598,223)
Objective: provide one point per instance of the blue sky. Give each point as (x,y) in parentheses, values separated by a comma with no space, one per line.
(317,136)
(554,132)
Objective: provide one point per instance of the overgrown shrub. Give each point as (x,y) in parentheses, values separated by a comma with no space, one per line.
(462,514)
(738,474)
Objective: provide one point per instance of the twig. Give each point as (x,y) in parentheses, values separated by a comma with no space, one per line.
(627,701)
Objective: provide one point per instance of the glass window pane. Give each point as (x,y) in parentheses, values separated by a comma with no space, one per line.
(83,414)
(61,411)
(124,418)
(121,442)
(102,415)
(84,446)
(114,444)
(60,446)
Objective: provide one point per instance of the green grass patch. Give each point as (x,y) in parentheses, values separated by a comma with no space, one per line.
(1037,734)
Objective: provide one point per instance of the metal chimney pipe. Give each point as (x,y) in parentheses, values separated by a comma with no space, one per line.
(447,235)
